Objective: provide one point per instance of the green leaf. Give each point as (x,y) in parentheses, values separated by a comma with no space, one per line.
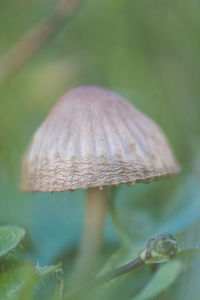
(163,278)
(15,279)
(18,280)
(10,238)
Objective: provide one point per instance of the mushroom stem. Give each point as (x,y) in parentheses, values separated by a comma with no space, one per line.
(86,263)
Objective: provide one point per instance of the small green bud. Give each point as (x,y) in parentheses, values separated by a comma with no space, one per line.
(159,249)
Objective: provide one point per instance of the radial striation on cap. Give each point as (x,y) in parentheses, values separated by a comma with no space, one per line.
(93,138)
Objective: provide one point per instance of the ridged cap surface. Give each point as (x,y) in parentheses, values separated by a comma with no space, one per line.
(93,138)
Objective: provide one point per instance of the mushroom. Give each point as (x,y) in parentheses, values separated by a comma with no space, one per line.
(93,139)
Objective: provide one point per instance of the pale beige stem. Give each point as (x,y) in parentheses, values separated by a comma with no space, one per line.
(96,206)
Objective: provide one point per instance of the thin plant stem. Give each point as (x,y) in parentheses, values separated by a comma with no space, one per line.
(105,278)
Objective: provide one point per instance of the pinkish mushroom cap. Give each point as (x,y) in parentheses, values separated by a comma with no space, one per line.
(93,138)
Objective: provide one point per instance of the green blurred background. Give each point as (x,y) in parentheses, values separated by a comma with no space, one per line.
(147,51)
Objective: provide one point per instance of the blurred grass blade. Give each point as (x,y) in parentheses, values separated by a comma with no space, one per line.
(10,238)
(188,255)
(163,278)
(35,38)
(59,286)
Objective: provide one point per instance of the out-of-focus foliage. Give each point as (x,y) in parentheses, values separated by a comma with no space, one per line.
(163,278)
(148,51)
(18,280)
(10,237)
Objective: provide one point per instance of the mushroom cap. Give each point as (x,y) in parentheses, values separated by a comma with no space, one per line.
(93,138)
